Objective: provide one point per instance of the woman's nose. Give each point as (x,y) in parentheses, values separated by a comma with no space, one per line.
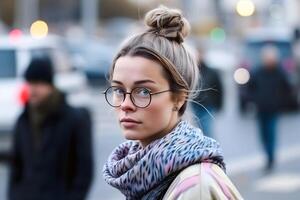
(127,104)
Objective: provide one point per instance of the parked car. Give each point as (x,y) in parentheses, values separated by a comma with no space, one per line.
(15,55)
(255,40)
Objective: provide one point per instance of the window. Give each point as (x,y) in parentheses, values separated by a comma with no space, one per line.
(7,63)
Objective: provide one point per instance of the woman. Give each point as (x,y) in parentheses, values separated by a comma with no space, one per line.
(152,78)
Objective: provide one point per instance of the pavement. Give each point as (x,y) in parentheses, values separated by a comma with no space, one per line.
(247,172)
(246,161)
(280,184)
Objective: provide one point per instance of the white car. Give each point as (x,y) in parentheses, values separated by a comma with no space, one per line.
(15,55)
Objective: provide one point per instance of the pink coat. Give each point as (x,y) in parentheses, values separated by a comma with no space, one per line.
(205,181)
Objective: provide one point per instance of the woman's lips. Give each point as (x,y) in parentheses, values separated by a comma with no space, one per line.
(129,123)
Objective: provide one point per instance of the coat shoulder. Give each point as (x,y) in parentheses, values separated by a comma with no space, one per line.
(205,181)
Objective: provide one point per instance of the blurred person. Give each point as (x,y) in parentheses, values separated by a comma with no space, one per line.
(151,79)
(209,99)
(267,86)
(51,152)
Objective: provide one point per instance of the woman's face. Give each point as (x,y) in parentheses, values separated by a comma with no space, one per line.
(154,121)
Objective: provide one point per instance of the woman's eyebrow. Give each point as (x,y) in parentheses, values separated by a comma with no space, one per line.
(136,82)
(144,81)
(117,82)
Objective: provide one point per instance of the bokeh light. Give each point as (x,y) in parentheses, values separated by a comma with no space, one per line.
(39,29)
(241,76)
(217,35)
(24,94)
(245,8)
(15,34)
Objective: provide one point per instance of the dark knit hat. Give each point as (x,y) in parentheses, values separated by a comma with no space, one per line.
(40,69)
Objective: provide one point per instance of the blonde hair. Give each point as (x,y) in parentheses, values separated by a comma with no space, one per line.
(163,42)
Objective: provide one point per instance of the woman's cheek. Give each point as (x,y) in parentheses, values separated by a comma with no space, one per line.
(158,114)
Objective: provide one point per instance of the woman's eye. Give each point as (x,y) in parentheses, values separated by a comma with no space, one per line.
(118,91)
(142,92)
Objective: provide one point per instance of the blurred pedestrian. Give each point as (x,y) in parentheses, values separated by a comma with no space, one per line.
(51,153)
(209,99)
(151,81)
(267,86)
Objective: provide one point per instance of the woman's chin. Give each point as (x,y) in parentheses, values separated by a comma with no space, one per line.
(130,135)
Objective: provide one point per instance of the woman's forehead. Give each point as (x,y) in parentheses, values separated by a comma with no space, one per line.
(138,69)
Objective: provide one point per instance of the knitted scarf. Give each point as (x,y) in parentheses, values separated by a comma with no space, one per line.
(146,173)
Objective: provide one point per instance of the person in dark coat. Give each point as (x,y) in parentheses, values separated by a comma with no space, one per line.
(267,86)
(52,152)
(210,98)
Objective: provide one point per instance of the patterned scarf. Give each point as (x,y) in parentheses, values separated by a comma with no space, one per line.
(146,173)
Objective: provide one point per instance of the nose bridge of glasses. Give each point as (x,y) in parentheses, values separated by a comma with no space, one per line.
(131,98)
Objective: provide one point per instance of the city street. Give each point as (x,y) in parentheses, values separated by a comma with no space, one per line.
(253,45)
(239,140)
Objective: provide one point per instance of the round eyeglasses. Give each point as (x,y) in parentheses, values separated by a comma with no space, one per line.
(140,96)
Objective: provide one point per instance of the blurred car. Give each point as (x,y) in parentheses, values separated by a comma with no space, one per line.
(15,55)
(255,40)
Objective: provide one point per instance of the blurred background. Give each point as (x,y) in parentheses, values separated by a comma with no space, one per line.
(82,36)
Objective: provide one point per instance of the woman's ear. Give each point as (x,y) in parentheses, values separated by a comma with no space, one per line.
(179,99)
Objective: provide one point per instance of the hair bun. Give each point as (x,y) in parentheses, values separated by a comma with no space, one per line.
(168,23)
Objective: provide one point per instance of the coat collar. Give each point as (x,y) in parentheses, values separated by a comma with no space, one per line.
(57,112)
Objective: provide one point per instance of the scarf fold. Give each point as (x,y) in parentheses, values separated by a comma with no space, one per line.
(138,171)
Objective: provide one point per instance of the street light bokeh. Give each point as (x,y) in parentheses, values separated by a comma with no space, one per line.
(241,76)
(245,8)
(39,29)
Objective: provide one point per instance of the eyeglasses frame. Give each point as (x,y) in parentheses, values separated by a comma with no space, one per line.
(131,98)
